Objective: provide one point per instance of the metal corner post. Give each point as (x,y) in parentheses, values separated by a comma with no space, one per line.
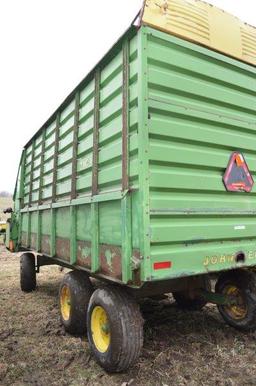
(95,166)
(143,138)
(126,200)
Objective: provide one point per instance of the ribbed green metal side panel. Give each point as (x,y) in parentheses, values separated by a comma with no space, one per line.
(202,107)
(78,204)
(110,138)
(171,132)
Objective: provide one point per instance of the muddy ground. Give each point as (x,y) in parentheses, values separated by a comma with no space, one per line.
(181,348)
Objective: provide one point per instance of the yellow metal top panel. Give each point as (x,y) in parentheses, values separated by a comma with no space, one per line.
(203,23)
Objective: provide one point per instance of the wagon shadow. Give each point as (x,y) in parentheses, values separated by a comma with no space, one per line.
(158,313)
(167,327)
(161,314)
(49,289)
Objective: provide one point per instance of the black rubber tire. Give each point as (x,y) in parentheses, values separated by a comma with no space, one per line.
(192,304)
(27,272)
(125,326)
(246,282)
(81,290)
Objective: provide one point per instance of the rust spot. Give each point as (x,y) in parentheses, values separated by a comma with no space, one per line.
(136,273)
(111,261)
(24,237)
(46,244)
(84,253)
(33,240)
(63,248)
(136,253)
(136,278)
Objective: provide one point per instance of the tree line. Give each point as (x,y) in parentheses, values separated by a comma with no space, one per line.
(5,194)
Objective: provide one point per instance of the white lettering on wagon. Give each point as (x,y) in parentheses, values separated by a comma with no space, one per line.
(223,259)
(213,260)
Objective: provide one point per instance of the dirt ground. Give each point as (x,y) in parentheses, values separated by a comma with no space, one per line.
(180,348)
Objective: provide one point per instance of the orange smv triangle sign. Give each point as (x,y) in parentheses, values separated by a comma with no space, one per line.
(237,177)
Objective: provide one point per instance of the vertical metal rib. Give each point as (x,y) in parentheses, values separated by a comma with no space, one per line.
(31,173)
(96,133)
(125,115)
(75,145)
(40,193)
(55,160)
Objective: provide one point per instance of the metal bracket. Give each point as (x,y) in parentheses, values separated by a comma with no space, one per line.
(135,263)
(215,298)
(43,260)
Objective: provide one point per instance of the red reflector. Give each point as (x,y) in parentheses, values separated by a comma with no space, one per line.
(163,265)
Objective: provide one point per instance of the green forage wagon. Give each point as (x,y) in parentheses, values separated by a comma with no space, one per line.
(144,179)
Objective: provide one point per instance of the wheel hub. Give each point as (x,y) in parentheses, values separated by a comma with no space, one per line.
(239,309)
(65,302)
(100,329)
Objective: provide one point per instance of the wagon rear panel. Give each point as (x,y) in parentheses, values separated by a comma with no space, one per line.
(201,109)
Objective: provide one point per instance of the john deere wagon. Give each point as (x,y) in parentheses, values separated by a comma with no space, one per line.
(144,179)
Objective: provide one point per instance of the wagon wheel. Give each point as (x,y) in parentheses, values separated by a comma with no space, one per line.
(27,272)
(74,295)
(114,328)
(241,285)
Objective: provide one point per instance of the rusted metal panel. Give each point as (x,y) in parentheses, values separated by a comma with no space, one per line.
(62,248)
(136,267)
(24,237)
(46,244)
(110,261)
(84,251)
(33,240)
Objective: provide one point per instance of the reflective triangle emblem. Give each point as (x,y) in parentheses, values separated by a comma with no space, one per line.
(237,177)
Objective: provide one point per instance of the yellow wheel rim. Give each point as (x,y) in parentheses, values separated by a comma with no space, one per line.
(238,311)
(65,302)
(100,329)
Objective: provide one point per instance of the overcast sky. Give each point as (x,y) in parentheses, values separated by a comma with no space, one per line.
(47,47)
